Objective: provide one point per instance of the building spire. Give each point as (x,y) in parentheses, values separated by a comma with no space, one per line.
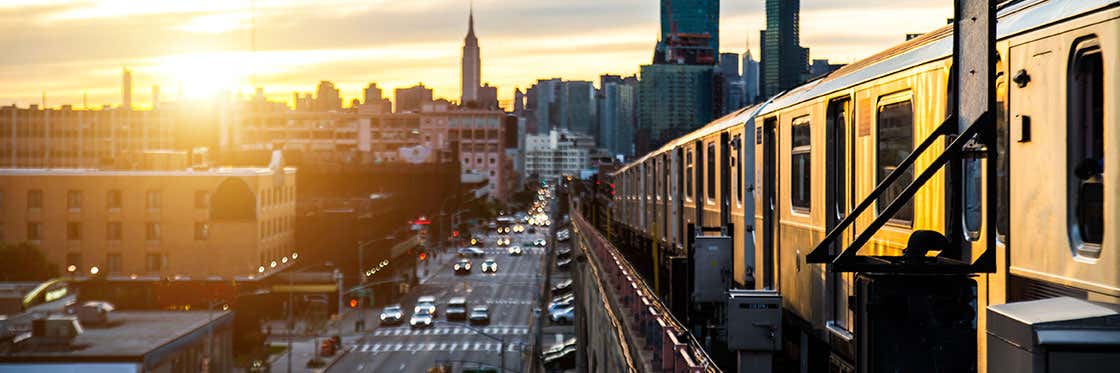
(470,20)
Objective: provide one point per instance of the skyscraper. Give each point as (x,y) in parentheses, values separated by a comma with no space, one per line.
(579,104)
(732,84)
(412,98)
(673,100)
(326,97)
(750,78)
(694,17)
(472,74)
(126,89)
(785,62)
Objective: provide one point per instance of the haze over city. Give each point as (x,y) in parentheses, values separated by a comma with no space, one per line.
(67,48)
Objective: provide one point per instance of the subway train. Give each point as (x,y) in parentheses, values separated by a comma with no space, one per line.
(1034,213)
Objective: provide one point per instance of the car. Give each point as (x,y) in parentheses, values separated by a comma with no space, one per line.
(462,267)
(327,347)
(479,315)
(392,315)
(561,302)
(492,225)
(427,303)
(562,287)
(515,250)
(563,265)
(519,228)
(540,243)
(489,266)
(532,230)
(471,251)
(564,252)
(421,319)
(563,235)
(503,241)
(562,315)
(457,308)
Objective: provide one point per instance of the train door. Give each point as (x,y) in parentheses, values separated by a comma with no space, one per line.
(839,199)
(769,200)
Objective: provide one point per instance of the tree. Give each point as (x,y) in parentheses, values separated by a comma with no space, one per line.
(25,262)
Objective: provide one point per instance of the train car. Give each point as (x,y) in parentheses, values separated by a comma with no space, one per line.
(778,177)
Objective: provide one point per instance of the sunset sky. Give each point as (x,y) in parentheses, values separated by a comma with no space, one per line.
(69,47)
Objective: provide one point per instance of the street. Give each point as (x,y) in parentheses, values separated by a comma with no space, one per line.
(510,295)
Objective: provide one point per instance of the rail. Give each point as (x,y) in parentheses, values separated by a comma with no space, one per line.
(674,348)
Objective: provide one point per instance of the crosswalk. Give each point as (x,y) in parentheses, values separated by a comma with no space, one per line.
(526,250)
(450,330)
(433,346)
(510,302)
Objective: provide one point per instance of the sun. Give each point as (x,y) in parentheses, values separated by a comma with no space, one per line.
(204,75)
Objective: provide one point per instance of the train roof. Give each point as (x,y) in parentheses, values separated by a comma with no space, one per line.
(1015,17)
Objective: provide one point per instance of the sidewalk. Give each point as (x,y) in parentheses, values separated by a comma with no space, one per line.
(304,347)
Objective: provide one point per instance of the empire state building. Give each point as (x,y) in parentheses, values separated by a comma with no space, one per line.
(471,78)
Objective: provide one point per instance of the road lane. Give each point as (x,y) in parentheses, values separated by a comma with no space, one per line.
(510,295)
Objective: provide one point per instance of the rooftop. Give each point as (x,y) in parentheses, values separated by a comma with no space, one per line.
(128,336)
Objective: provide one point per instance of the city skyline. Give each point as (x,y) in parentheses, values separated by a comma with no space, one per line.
(64,51)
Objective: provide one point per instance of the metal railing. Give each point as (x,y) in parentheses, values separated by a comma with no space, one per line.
(674,348)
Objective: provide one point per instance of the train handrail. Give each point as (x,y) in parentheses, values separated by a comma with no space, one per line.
(848,260)
(820,253)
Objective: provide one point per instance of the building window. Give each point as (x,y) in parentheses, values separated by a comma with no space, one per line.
(35,199)
(113,199)
(73,231)
(74,259)
(688,173)
(154,199)
(201,199)
(152,232)
(492,160)
(799,165)
(155,262)
(1085,148)
(113,263)
(894,142)
(74,200)
(113,231)
(711,170)
(201,231)
(34,231)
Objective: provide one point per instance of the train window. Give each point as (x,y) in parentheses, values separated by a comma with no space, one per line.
(710,168)
(688,175)
(799,165)
(894,141)
(1085,149)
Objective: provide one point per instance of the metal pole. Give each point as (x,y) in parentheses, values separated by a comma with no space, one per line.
(290,301)
(338,277)
(502,355)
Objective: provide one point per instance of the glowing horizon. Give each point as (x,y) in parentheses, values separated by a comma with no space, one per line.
(70,48)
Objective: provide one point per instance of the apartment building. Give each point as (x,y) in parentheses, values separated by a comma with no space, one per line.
(187,222)
(43,138)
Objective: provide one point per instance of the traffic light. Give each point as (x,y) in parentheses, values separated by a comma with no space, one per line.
(455,234)
(353,302)
(423,256)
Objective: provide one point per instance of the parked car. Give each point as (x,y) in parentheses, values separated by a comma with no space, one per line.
(561,302)
(421,319)
(562,287)
(564,252)
(462,267)
(563,265)
(392,315)
(457,308)
(562,315)
(480,315)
